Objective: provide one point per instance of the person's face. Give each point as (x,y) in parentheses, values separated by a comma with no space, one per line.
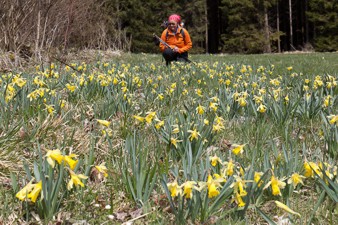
(172,25)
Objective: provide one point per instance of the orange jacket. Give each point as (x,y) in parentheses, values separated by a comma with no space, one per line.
(184,44)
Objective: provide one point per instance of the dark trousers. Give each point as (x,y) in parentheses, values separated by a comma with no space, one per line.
(169,56)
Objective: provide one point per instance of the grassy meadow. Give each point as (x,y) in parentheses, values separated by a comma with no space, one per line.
(227,139)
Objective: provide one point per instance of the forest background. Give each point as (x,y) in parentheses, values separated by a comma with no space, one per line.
(31,27)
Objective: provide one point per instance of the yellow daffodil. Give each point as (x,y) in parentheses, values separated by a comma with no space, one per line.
(213,106)
(206,121)
(327,101)
(176,129)
(199,92)
(174,188)
(102,169)
(276,185)
(105,123)
(35,192)
(214,160)
(333,119)
(187,188)
(217,127)
(295,179)
(23,193)
(54,155)
(159,124)
(39,82)
(71,87)
(150,116)
(160,97)
(20,82)
(200,109)
(212,187)
(239,186)
(241,101)
(286,99)
(219,178)
(75,180)
(310,168)
(237,149)
(70,161)
(286,208)
(107,131)
(139,118)
(261,108)
(174,141)
(257,177)
(230,168)
(193,134)
(50,109)
(241,171)
(239,200)
(258,99)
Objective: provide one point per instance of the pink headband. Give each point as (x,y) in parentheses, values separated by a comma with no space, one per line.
(175,18)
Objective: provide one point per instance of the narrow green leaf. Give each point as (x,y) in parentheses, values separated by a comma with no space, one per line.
(267,218)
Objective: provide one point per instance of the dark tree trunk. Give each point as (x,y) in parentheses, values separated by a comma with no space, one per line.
(213,27)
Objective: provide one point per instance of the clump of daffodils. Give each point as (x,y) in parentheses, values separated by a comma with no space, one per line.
(32,191)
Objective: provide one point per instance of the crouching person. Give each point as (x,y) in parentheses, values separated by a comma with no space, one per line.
(178,39)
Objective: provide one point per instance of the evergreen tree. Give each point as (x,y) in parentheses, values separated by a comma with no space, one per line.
(245,31)
(324,16)
(194,15)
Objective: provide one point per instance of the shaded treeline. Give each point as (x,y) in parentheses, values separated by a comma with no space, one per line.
(216,26)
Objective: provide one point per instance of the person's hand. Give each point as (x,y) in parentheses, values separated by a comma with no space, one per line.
(176,49)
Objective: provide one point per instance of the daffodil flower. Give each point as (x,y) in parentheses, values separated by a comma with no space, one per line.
(212,190)
(310,169)
(241,101)
(200,109)
(217,127)
(194,134)
(35,192)
(257,177)
(174,141)
(159,124)
(239,186)
(261,108)
(295,179)
(206,121)
(139,118)
(286,208)
(102,169)
(214,160)
(239,200)
(174,188)
(23,193)
(333,119)
(187,188)
(71,87)
(219,178)
(176,129)
(212,185)
(54,155)
(276,185)
(150,116)
(237,149)
(75,180)
(229,169)
(213,106)
(70,161)
(105,123)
